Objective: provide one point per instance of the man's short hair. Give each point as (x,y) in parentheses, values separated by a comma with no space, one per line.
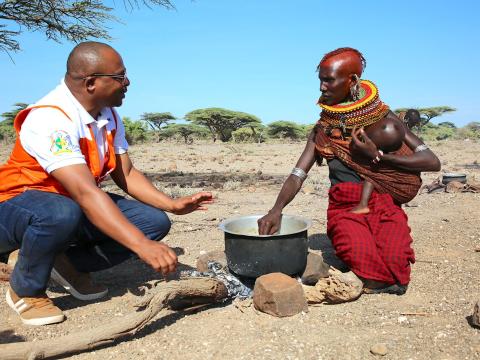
(85,56)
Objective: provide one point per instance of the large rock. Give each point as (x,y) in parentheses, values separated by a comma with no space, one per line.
(337,288)
(316,269)
(279,295)
(476,315)
(217,256)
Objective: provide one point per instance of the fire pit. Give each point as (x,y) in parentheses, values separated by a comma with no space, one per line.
(252,255)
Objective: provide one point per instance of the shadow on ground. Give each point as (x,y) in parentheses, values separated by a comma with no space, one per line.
(322,242)
(132,276)
(9,336)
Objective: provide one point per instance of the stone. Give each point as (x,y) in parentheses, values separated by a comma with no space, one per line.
(172,167)
(454,187)
(316,268)
(476,314)
(279,295)
(217,256)
(379,349)
(337,288)
(308,189)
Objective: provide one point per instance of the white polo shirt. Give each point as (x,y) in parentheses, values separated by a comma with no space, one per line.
(53,139)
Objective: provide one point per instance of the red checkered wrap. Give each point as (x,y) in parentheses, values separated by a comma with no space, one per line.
(376,246)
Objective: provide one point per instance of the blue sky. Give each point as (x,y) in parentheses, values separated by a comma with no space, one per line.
(260,56)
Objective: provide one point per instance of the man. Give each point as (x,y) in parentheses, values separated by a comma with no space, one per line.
(412,118)
(377,245)
(51,206)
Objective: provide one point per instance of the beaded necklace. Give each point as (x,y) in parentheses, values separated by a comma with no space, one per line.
(363,112)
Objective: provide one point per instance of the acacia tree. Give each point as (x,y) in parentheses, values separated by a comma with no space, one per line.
(186,131)
(9,116)
(428,114)
(157,120)
(7,133)
(285,130)
(222,122)
(73,20)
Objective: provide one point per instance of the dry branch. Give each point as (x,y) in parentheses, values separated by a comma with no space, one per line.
(188,291)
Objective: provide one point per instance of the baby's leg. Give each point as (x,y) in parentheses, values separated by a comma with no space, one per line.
(362,207)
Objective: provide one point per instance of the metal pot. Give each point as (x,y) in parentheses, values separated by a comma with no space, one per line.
(447,177)
(250,254)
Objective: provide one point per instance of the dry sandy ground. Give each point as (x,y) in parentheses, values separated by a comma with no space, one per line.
(245,180)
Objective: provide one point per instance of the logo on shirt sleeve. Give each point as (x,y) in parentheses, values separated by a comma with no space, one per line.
(61,143)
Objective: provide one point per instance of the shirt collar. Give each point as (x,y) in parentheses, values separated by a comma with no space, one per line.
(85,117)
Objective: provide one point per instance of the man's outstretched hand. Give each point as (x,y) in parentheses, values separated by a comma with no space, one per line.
(187,204)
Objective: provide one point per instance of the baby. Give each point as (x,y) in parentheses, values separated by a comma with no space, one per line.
(388,135)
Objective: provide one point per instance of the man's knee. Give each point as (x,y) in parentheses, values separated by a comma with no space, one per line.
(61,220)
(162,226)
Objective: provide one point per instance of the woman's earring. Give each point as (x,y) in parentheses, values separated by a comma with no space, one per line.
(355,89)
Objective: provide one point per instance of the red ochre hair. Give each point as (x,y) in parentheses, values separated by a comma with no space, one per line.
(341,51)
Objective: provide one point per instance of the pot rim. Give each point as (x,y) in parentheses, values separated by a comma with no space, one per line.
(453,175)
(224,223)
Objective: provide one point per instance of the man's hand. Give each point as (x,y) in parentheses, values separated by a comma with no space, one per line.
(187,204)
(362,145)
(158,255)
(270,223)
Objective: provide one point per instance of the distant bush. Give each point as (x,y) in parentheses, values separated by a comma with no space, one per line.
(135,131)
(286,130)
(255,134)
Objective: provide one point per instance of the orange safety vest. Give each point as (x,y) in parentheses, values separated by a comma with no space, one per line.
(22,172)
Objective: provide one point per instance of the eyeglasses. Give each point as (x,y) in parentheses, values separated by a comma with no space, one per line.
(122,78)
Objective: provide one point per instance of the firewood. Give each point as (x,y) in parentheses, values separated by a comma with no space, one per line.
(169,295)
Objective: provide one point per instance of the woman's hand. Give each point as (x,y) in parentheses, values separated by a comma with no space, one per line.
(270,223)
(362,145)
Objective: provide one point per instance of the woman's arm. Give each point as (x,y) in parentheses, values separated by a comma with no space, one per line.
(270,223)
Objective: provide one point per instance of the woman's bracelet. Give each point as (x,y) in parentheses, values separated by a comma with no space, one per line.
(299,173)
(378,157)
(421,147)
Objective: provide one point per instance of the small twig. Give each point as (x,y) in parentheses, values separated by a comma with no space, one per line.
(415,314)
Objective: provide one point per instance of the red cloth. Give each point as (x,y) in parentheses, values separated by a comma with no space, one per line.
(376,246)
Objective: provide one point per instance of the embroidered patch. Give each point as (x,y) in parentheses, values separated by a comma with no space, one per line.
(61,143)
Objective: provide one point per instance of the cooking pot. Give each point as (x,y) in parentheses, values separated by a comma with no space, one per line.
(252,255)
(447,177)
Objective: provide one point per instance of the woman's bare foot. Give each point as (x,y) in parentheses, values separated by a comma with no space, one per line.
(360,209)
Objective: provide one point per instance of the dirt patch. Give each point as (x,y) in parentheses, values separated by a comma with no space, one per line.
(428,322)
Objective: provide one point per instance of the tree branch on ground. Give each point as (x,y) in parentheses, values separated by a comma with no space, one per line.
(172,295)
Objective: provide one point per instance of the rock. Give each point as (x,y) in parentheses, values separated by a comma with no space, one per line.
(217,185)
(217,256)
(308,189)
(454,187)
(279,295)
(379,349)
(316,268)
(337,288)
(476,314)
(172,167)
